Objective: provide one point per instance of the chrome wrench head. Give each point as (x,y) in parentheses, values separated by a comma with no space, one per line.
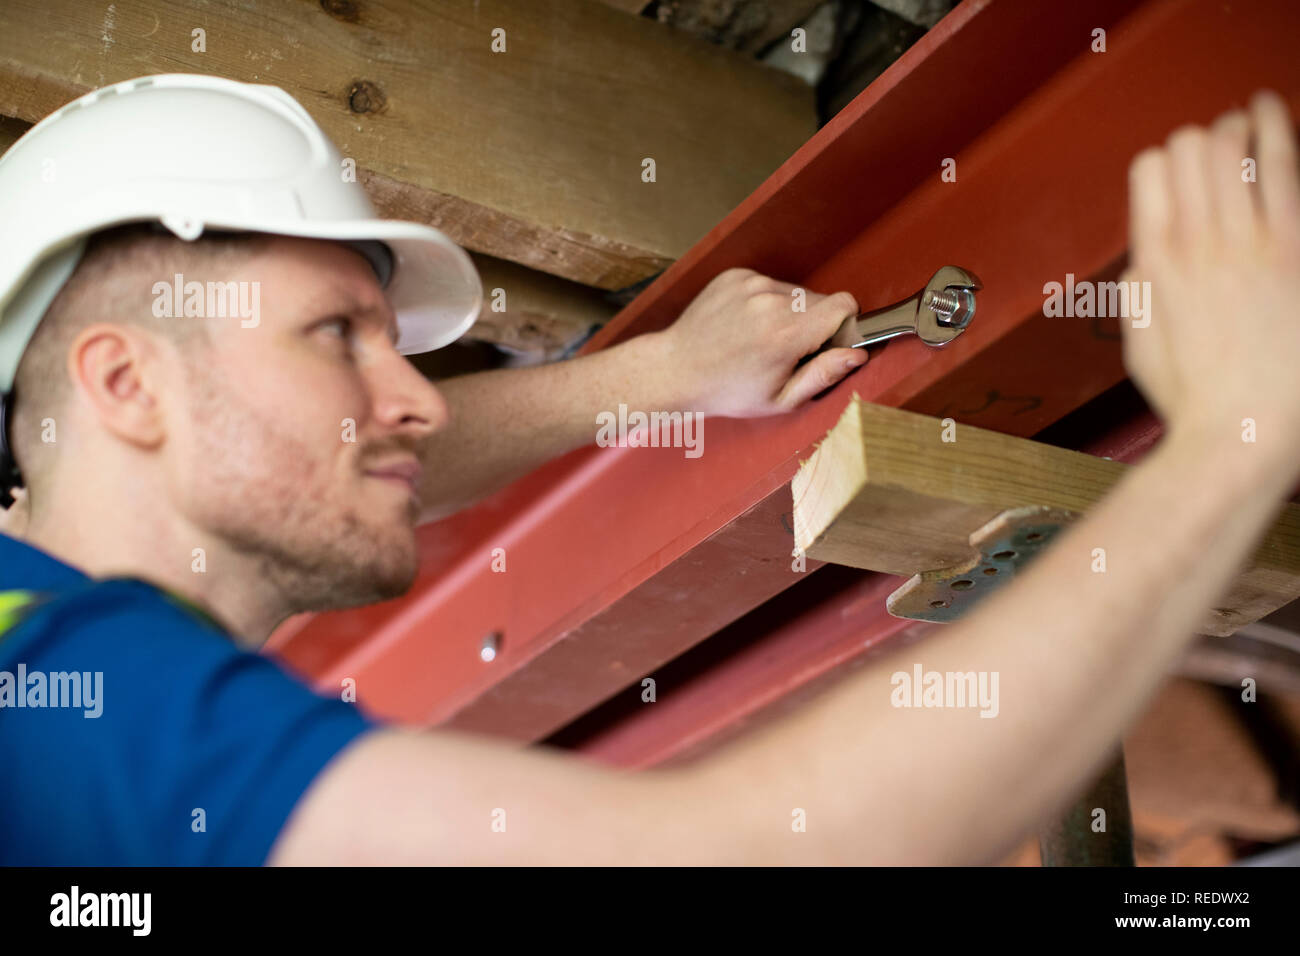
(937,314)
(945,307)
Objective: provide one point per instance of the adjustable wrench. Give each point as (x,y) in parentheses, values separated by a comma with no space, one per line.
(937,314)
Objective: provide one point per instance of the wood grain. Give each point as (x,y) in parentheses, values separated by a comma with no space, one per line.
(885,492)
(533,154)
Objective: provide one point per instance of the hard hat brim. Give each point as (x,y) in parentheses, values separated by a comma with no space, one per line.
(434,288)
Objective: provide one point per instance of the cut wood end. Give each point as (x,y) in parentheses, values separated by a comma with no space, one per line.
(831,478)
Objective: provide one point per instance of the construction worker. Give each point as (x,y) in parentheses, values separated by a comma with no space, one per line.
(190,481)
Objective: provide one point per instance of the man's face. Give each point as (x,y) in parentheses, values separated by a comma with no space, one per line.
(299,444)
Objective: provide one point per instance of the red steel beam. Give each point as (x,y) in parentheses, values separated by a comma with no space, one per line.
(768,663)
(794,647)
(617,560)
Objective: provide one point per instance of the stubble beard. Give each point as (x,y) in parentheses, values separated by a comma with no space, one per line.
(272,497)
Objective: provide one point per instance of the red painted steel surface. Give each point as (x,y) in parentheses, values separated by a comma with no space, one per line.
(792,648)
(764,665)
(618,560)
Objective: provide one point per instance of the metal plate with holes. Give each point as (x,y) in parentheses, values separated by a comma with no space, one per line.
(1004,546)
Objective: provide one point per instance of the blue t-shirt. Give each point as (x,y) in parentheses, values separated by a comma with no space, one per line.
(169,746)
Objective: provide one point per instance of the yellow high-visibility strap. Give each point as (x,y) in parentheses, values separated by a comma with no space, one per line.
(15,605)
(12,604)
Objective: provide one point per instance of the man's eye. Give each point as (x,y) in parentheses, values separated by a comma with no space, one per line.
(340,327)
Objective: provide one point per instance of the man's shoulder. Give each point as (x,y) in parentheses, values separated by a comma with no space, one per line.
(43,599)
(25,567)
(147,735)
(110,615)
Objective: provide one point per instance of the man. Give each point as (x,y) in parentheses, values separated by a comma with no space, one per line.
(208,443)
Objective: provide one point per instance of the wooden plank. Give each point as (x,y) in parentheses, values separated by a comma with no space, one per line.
(893,491)
(886,488)
(533,154)
(544,317)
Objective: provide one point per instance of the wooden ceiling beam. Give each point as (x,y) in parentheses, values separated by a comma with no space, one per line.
(534,154)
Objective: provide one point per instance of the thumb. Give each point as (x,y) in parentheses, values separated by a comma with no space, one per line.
(818,374)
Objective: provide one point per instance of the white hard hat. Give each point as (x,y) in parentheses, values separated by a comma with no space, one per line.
(202,152)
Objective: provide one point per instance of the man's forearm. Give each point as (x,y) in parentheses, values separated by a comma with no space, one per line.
(506,422)
(1076,653)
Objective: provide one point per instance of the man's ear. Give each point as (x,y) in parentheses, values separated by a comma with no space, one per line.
(112,371)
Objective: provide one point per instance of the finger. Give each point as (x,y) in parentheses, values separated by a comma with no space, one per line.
(1277,172)
(1150,206)
(1233,201)
(1144,324)
(1189,166)
(819,374)
(827,316)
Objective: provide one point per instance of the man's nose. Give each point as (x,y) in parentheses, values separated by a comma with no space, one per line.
(404,400)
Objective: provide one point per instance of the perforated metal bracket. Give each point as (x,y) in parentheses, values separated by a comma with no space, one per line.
(1003,547)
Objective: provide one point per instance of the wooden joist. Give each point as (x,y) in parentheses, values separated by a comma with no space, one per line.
(542,318)
(902,493)
(534,154)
